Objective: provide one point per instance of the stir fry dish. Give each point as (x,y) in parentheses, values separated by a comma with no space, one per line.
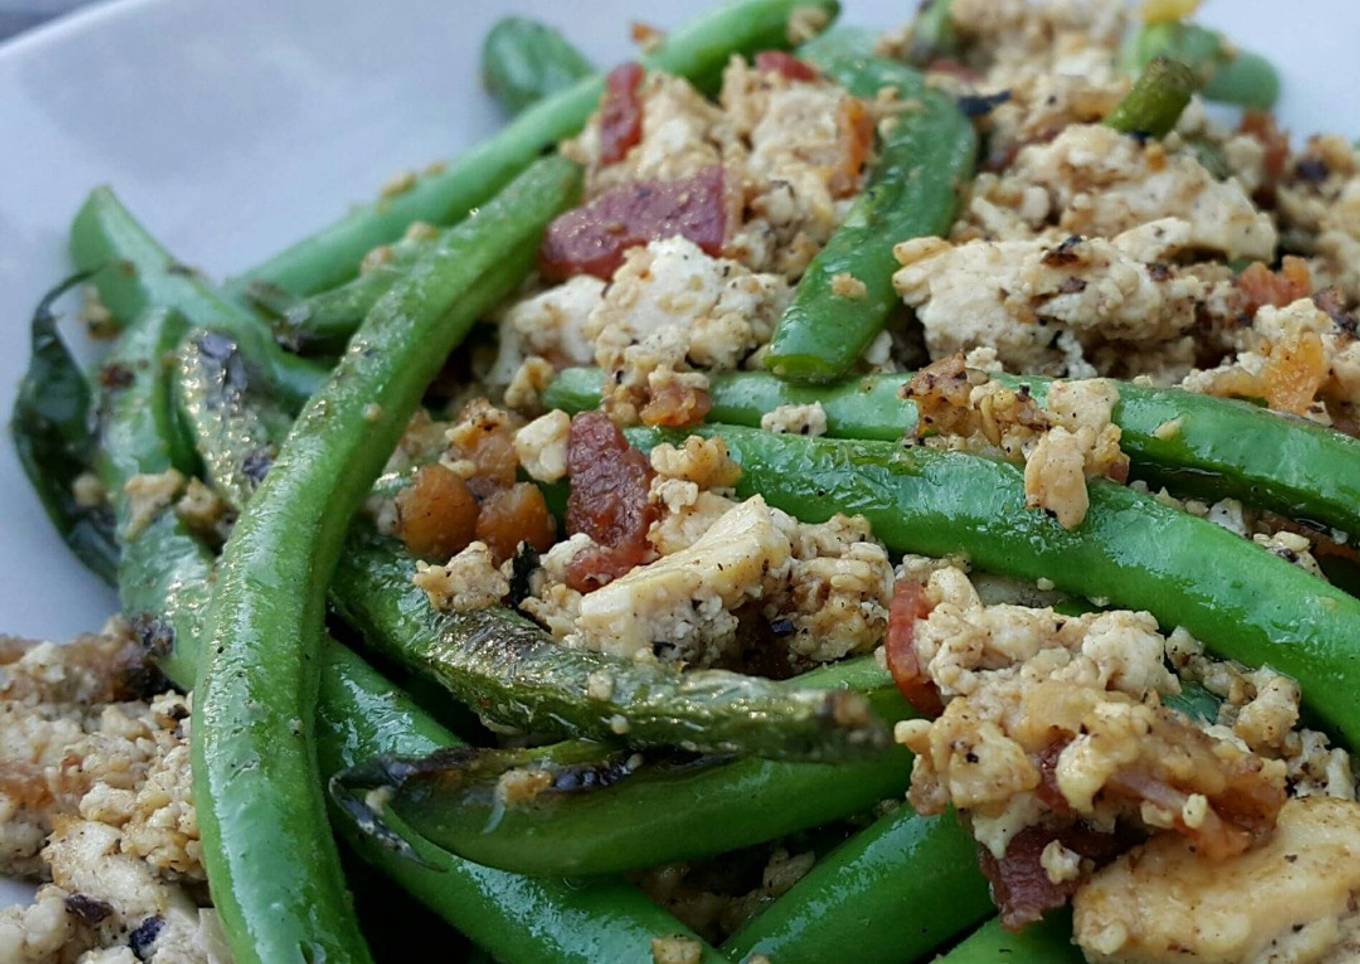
(801,495)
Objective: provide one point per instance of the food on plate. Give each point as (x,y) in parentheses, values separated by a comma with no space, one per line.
(893,492)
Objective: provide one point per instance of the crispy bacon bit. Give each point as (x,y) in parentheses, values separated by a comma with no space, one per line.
(676,405)
(621,112)
(855,132)
(785,64)
(1179,760)
(592,239)
(908,605)
(436,514)
(1295,371)
(514,515)
(1047,791)
(1261,125)
(1021,889)
(1261,286)
(608,501)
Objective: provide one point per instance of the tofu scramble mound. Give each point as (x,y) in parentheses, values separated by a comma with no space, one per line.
(1059,741)
(96,808)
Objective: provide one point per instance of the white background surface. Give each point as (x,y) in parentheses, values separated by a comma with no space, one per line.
(233,129)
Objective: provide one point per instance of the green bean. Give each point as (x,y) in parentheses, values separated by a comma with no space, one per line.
(1242,602)
(587,822)
(894,892)
(52,436)
(1218,447)
(133,272)
(1210,157)
(1226,73)
(326,320)
(912,192)
(869,407)
(235,425)
(165,581)
(514,918)
(1196,702)
(524,61)
(1047,942)
(515,674)
(255,775)
(1154,104)
(446,193)
(165,573)
(932,33)
(1193,443)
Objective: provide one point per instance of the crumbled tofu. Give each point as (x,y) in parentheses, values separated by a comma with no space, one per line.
(670,307)
(846,285)
(1083,444)
(525,392)
(839,587)
(676,950)
(686,512)
(1101,182)
(88,491)
(552,602)
(1059,863)
(703,461)
(147,496)
(1071,441)
(201,508)
(98,801)
(1290,899)
(796,419)
(1052,308)
(467,582)
(542,446)
(685,599)
(552,323)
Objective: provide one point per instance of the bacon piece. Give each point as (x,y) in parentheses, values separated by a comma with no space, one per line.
(1261,286)
(908,605)
(785,64)
(608,501)
(621,112)
(1261,125)
(592,239)
(1020,886)
(1179,760)
(1047,791)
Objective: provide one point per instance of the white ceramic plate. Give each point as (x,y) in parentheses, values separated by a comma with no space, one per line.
(233,129)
